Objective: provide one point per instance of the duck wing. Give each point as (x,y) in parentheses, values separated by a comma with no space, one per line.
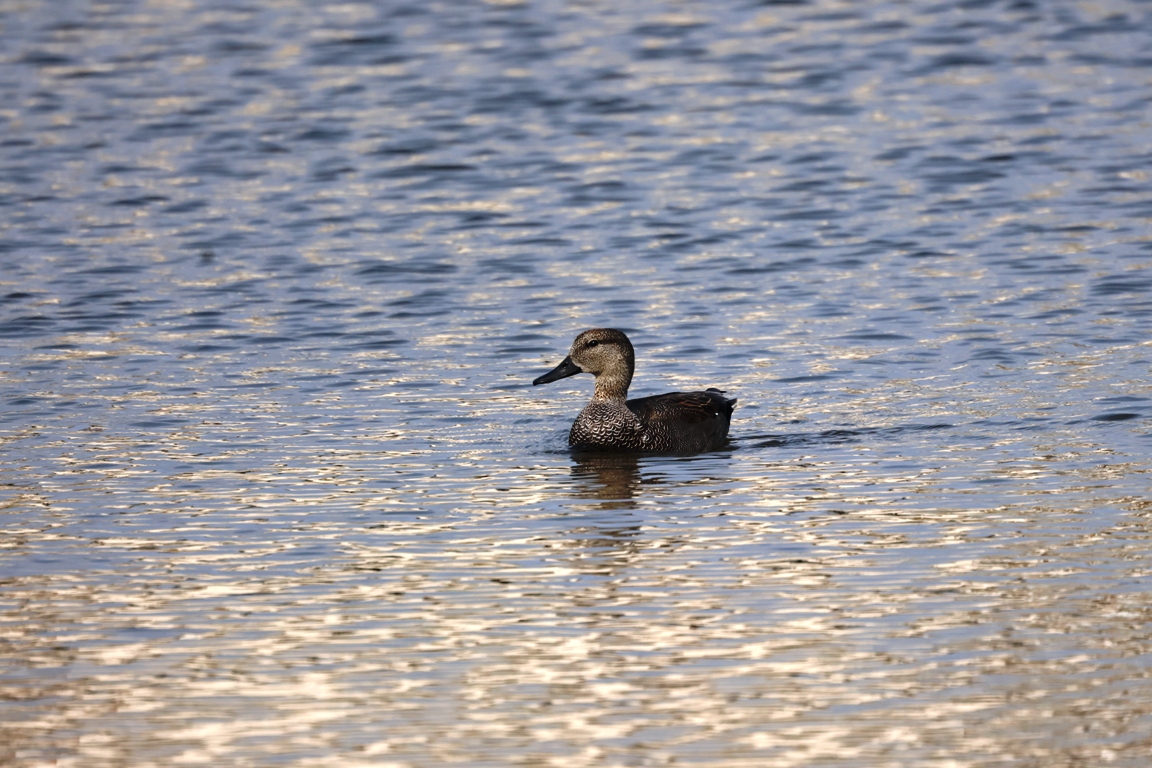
(683,407)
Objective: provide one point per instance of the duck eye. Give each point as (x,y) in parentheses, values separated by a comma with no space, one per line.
(593,343)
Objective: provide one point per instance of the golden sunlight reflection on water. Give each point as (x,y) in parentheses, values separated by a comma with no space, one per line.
(607,630)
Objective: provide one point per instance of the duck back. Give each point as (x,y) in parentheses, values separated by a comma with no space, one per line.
(685,421)
(682,422)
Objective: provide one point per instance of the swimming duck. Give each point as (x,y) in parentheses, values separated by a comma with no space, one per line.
(682,422)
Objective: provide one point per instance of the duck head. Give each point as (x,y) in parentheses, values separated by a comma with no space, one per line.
(605,353)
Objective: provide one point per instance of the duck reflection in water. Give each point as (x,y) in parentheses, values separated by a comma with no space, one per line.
(614,478)
(675,422)
(608,539)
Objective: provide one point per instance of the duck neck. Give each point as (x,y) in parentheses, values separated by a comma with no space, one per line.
(613,385)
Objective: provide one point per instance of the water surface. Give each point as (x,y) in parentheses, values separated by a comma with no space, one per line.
(277,489)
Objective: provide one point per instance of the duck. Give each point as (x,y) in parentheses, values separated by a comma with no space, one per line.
(676,422)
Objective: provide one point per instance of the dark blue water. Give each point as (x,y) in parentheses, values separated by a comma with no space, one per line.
(276,489)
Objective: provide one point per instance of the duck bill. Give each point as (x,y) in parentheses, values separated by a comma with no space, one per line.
(562,371)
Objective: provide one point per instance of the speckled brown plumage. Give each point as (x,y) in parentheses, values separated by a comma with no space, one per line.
(682,422)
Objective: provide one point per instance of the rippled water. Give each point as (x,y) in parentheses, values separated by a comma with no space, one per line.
(277,277)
